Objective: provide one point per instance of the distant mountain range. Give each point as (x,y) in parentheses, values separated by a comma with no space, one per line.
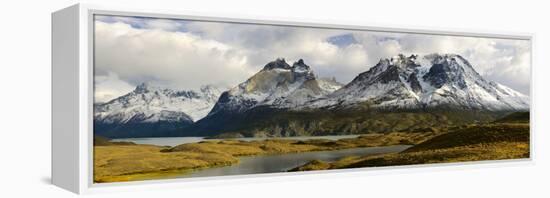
(277,85)
(150,110)
(431,81)
(398,94)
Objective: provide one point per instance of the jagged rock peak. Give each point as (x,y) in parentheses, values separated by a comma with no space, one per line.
(403,61)
(432,80)
(146,87)
(300,66)
(300,62)
(437,58)
(278,63)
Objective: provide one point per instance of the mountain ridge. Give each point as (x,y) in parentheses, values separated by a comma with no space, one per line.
(400,93)
(154,108)
(409,92)
(278,85)
(434,80)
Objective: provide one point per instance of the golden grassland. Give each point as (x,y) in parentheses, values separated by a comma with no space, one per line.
(493,151)
(126,162)
(473,143)
(135,162)
(123,161)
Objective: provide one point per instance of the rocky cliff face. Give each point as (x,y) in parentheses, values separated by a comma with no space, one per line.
(432,81)
(277,85)
(401,93)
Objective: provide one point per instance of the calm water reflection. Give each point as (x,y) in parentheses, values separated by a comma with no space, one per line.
(284,162)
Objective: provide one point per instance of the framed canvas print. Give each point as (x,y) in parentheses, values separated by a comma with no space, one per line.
(147,97)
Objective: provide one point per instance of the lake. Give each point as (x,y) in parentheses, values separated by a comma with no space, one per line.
(268,163)
(284,162)
(174,141)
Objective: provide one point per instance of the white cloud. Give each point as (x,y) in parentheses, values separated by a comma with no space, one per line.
(109,86)
(180,60)
(501,60)
(264,43)
(188,54)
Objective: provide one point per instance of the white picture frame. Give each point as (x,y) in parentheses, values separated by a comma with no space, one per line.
(72,100)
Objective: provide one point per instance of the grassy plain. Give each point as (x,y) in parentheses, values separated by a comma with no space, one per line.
(127,162)
(506,138)
(496,141)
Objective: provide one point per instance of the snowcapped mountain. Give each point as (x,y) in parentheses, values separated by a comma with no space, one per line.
(277,85)
(329,84)
(435,80)
(397,94)
(149,104)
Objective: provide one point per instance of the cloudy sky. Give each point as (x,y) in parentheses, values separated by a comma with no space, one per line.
(188,54)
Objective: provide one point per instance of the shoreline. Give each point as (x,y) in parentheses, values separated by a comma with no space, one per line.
(116,163)
(123,161)
(478,143)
